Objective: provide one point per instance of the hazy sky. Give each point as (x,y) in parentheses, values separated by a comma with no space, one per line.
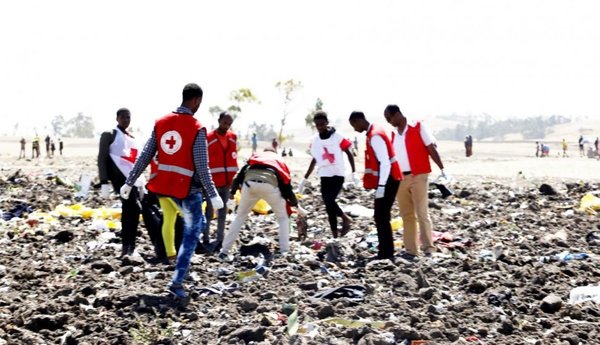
(505,58)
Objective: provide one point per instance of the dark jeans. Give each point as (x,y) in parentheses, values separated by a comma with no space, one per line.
(330,188)
(383,209)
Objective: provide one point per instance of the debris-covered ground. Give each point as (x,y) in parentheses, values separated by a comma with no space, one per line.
(510,255)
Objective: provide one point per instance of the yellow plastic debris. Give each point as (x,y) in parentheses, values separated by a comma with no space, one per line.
(397,224)
(261,207)
(590,204)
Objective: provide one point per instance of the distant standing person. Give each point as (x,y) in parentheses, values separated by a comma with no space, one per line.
(538,149)
(35,147)
(414,145)
(382,173)
(52,148)
(182,174)
(117,153)
(327,148)
(23,142)
(274,144)
(60,146)
(47,141)
(468,145)
(597,145)
(222,161)
(565,146)
(581,153)
(254,142)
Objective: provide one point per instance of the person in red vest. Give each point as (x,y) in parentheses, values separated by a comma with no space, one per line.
(222,160)
(382,174)
(414,145)
(265,176)
(182,174)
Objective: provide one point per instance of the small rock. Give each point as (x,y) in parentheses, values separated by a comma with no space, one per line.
(325,311)
(308,286)
(248,304)
(551,303)
(132,260)
(248,334)
(427,293)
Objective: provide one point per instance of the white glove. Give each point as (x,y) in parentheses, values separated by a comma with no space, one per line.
(356,180)
(301,212)
(301,185)
(105,190)
(379,192)
(216,202)
(125,191)
(231,204)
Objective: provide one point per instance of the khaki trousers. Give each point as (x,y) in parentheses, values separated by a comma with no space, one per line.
(414,206)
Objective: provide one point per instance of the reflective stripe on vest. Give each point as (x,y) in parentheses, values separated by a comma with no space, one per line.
(176,169)
(372,172)
(224,169)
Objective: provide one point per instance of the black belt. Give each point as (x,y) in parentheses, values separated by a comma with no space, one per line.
(406,173)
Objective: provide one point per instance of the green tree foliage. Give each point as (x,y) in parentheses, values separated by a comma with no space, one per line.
(215,110)
(80,126)
(308,120)
(289,90)
(486,128)
(239,97)
(58,125)
(263,131)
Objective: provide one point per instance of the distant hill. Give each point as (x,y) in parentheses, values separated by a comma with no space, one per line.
(547,128)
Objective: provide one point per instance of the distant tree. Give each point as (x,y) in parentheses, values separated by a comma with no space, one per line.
(58,125)
(308,120)
(289,89)
(215,110)
(263,131)
(238,97)
(80,126)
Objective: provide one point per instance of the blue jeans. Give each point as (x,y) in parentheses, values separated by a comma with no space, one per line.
(194,224)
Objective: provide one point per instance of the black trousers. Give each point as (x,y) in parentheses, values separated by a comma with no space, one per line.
(152,216)
(130,218)
(330,188)
(383,210)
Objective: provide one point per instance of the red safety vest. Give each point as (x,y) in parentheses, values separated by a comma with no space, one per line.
(175,134)
(222,161)
(417,152)
(371,176)
(272,159)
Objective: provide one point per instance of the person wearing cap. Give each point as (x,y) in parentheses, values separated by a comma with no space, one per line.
(382,174)
(117,153)
(265,176)
(179,142)
(327,150)
(414,145)
(222,160)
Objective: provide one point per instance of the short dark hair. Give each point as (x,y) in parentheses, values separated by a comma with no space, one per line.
(191,90)
(320,115)
(122,111)
(223,114)
(392,108)
(356,115)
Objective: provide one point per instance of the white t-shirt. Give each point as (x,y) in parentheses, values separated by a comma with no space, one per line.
(328,154)
(400,144)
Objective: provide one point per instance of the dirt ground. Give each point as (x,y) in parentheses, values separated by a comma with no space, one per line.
(510,254)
